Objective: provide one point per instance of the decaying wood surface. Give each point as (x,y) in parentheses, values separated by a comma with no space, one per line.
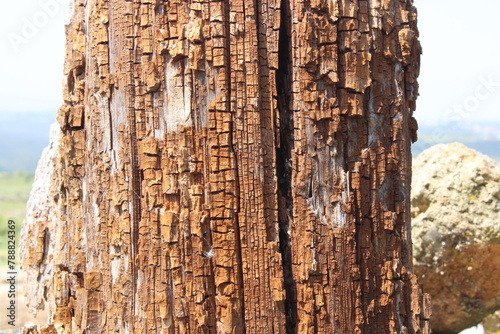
(232,167)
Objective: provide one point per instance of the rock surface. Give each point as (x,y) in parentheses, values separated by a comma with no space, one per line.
(456,235)
(492,323)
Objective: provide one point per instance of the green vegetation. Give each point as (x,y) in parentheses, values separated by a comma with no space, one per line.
(15,186)
(14,193)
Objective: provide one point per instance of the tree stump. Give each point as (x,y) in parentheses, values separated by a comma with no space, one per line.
(231,167)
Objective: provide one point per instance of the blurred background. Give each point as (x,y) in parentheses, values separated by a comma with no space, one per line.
(459,86)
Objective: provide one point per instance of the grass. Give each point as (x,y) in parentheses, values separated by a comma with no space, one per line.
(15,186)
(14,193)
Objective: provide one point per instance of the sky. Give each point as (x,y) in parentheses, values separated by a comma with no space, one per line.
(460,65)
(459,80)
(32,54)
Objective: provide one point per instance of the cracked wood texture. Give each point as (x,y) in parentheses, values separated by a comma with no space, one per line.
(231,167)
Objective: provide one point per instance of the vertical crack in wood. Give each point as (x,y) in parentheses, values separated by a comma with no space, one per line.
(136,205)
(110,118)
(135,187)
(284,163)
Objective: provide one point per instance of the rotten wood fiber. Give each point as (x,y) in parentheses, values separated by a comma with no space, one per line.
(233,167)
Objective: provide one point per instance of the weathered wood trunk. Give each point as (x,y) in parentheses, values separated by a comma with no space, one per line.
(232,167)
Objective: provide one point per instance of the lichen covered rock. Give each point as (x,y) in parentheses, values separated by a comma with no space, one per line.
(492,323)
(456,235)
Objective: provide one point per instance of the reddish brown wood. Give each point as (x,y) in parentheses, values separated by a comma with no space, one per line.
(232,167)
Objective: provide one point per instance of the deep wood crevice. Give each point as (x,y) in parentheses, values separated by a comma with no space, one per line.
(284,163)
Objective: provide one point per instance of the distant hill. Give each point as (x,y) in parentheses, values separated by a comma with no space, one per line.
(23,136)
(480,136)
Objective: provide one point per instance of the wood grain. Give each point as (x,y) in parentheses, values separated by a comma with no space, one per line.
(233,167)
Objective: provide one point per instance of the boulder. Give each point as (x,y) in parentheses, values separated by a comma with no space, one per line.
(456,234)
(492,323)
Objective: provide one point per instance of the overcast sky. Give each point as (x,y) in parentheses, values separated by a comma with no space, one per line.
(460,75)
(31,54)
